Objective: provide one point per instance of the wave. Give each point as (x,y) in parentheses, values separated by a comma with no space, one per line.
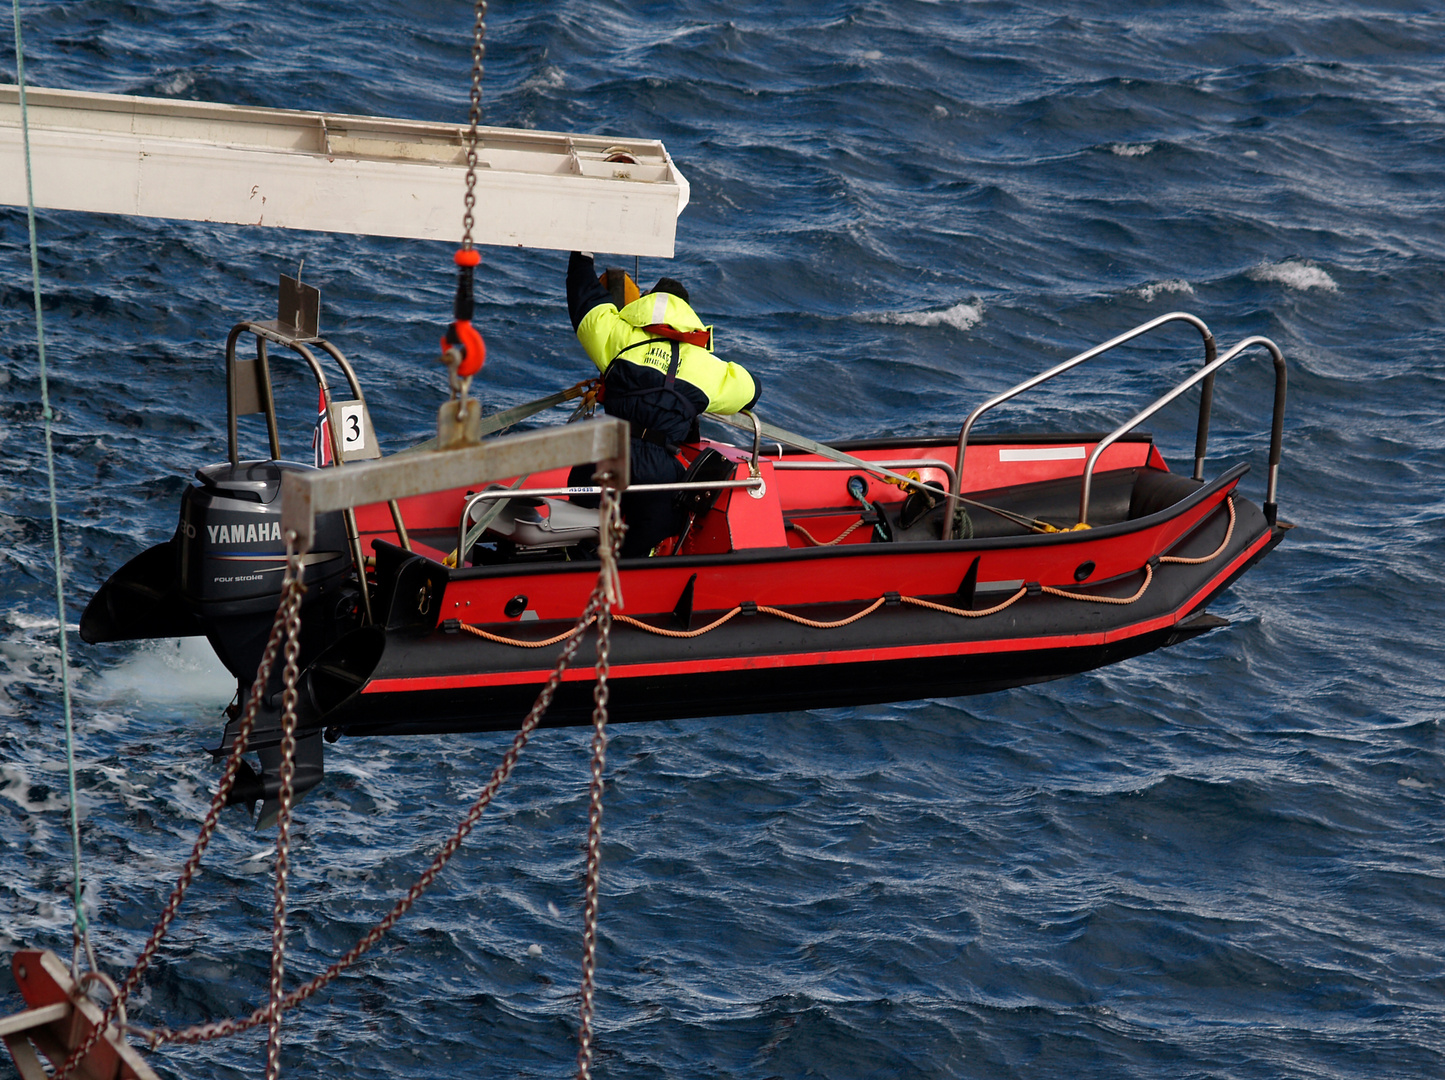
(1159,288)
(1295,274)
(962,316)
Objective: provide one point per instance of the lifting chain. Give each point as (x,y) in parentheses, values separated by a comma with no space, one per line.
(288,624)
(289,608)
(287,776)
(474,118)
(462,347)
(604,596)
(608,584)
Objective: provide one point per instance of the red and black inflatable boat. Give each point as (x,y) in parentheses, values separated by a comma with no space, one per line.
(809,576)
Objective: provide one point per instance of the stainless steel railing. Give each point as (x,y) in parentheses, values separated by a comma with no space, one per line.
(1058,369)
(1206,376)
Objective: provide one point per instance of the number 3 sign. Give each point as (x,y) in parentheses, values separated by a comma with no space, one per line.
(358,440)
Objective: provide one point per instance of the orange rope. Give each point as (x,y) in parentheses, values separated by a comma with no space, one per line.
(966,612)
(825,543)
(1229,502)
(824,625)
(676,633)
(517,642)
(915,601)
(1148,578)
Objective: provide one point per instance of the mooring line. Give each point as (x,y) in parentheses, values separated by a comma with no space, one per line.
(81,928)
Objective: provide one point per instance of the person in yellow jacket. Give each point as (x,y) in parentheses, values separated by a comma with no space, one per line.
(659,374)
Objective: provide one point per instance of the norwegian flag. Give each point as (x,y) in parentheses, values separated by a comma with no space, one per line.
(321,434)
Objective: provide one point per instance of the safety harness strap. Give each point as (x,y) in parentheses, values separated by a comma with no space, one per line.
(701,338)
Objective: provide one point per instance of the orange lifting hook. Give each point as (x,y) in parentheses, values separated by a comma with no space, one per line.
(462,339)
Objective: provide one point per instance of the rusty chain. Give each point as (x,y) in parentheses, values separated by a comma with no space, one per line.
(287,776)
(611,537)
(291,592)
(603,594)
(287,622)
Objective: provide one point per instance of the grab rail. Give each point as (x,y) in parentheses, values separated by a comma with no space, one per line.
(843,466)
(1206,375)
(465,540)
(239,401)
(1058,369)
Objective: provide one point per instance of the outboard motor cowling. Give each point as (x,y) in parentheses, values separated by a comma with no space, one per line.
(233,559)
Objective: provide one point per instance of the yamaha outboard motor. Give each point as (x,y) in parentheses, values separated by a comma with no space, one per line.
(232,562)
(221,574)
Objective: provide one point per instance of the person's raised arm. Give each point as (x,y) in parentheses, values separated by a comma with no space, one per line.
(584,291)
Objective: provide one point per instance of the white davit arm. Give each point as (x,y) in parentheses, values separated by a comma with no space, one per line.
(157,157)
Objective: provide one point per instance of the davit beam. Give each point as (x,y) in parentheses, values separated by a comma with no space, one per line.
(156,157)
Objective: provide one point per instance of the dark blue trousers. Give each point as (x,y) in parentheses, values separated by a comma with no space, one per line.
(651,516)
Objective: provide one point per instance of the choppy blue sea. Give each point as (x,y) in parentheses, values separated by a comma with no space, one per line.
(1220,860)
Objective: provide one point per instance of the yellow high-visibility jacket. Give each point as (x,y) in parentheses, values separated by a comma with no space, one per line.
(657,370)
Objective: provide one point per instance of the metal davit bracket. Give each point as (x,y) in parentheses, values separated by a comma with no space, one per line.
(307,494)
(298,312)
(59,1019)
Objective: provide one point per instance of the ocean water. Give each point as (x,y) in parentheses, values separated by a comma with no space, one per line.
(1221,860)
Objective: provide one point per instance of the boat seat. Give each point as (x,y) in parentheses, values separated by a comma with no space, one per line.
(1155,490)
(541,523)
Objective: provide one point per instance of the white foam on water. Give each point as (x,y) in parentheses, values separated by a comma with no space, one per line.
(171,671)
(23,620)
(1131,149)
(1294,274)
(177,84)
(962,316)
(15,785)
(549,77)
(1160,288)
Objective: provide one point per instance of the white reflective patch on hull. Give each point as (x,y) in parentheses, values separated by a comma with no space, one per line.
(1047,453)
